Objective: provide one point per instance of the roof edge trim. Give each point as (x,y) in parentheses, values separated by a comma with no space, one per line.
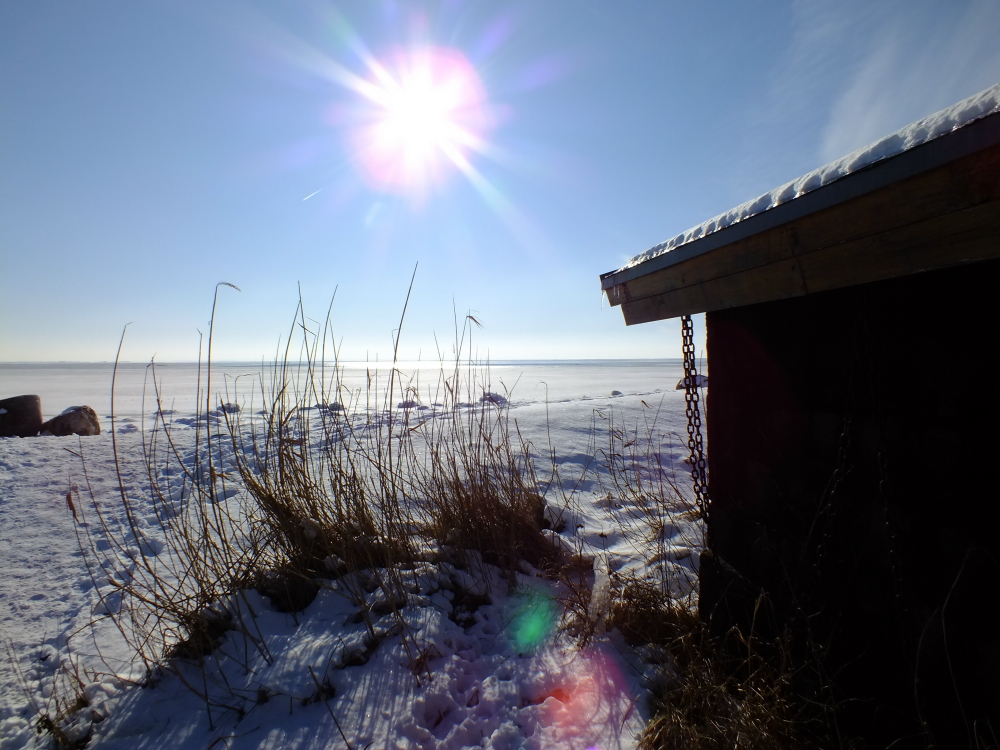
(962,141)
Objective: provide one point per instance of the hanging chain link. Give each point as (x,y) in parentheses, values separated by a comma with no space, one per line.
(699,467)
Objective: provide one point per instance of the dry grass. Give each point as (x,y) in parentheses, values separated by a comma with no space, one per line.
(645,495)
(168,604)
(477,487)
(60,712)
(738,691)
(281,496)
(707,695)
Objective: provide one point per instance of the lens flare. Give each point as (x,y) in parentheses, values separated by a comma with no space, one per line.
(589,701)
(533,622)
(415,115)
(426,111)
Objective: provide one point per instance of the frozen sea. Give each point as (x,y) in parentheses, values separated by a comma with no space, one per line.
(64,384)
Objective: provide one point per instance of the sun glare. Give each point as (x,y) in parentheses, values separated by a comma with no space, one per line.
(426,111)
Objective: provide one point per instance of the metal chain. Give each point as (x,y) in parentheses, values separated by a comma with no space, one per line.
(699,467)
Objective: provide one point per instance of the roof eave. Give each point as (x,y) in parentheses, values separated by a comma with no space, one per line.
(960,142)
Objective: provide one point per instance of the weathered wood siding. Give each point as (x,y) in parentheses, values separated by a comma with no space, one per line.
(853,444)
(944,217)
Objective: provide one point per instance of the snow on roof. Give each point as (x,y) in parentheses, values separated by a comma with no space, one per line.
(920,132)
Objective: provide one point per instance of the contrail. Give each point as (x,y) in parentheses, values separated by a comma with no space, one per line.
(312,194)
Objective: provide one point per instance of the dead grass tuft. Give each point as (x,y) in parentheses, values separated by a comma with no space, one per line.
(706,694)
(737,691)
(478,491)
(303,482)
(61,715)
(644,615)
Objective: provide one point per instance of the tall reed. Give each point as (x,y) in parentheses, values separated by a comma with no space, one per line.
(303,480)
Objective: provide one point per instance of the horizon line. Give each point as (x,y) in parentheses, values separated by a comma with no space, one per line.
(329,361)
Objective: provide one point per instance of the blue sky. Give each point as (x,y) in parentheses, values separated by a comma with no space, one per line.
(149,150)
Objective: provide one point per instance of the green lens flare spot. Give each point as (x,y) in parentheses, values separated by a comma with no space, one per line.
(533,622)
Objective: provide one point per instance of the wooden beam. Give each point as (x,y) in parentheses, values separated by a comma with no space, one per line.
(956,238)
(953,188)
(774,281)
(953,239)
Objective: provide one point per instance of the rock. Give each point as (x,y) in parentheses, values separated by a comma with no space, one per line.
(616,393)
(493,398)
(554,518)
(20,416)
(700,381)
(331,406)
(288,592)
(228,408)
(76,420)
(408,404)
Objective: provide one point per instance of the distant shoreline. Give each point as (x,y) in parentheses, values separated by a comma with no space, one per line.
(254,362)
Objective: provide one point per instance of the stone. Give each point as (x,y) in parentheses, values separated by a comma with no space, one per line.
(288,592)
(332,406)
(700,381)
(20,416)
(76,420)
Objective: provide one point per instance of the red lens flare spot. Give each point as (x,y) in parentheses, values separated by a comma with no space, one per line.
(591,699)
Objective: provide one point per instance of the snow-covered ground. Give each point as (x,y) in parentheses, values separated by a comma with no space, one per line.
(502,674)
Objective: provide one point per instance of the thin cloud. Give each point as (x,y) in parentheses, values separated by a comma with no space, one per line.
(915,65)
(855,71)
(825,45)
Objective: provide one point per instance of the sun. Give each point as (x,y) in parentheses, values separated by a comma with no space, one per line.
(426,109)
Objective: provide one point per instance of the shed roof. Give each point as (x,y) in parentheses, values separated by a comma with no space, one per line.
(851,187)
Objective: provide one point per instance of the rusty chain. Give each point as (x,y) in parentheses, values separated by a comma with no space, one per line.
(699,467)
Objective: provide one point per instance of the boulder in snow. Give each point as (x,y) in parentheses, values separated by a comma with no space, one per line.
(20,416)
(700,381)
(76,420)
(288,592)
(493,398)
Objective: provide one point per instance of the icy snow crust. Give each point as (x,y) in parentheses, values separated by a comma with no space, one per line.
(486,685)
(913,135)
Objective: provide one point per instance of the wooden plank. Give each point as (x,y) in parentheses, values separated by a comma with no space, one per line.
(958,237)
(964,183)
(756,251)
(773,281)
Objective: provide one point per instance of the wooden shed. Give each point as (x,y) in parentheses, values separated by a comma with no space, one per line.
(853,422)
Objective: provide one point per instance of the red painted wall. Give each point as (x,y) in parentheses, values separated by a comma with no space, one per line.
(854,441)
